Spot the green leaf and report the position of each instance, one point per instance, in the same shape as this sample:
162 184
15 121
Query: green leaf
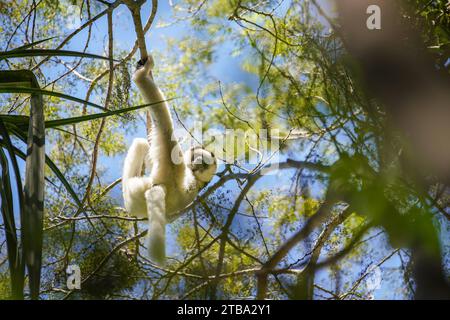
18 120
7 207
48 93
20 53
22 136
21 122
30 45
73 120
63 180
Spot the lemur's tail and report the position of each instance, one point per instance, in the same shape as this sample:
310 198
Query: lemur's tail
156 209
134 161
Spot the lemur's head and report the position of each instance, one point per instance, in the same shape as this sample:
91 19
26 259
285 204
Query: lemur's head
202 162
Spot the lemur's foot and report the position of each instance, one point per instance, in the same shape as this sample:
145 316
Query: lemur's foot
143 68
147 63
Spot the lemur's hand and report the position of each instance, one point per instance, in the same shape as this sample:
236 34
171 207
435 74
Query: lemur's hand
143 69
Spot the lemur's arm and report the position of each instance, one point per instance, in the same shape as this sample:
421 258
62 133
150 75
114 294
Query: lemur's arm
162 130
161 119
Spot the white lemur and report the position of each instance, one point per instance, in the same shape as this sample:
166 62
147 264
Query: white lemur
174 179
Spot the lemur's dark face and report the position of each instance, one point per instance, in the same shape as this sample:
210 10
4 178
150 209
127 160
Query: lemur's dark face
202 163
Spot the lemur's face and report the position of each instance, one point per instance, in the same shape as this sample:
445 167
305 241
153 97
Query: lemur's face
202 163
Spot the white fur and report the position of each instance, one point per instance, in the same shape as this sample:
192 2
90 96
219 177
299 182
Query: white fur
171 185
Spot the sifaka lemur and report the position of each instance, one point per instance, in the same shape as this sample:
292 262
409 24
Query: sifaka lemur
174 178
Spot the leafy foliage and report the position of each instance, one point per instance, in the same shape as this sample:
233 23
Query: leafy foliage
243 65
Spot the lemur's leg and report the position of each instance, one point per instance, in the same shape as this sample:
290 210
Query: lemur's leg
133 184
135 159
156 210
